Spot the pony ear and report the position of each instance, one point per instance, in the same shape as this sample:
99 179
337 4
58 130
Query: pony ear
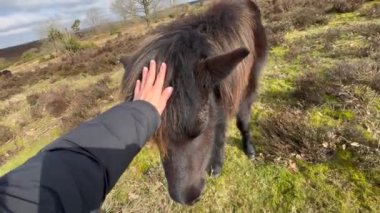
215 69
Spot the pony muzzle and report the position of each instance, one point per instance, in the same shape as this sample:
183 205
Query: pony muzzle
189 195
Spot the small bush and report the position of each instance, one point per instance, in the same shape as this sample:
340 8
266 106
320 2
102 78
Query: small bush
343 73
35 108
276 32
88 45
360 72
114 30
310 90
375 82
371 12
374 48
33 99
349 52
100 89
47 57
354 133
85 105
346 85
82 109
54 102
371 30
304 17
4 63
8 92
57 101
345 6
286 133
71 44
30 54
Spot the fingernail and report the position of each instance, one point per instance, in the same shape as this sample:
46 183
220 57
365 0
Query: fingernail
171 89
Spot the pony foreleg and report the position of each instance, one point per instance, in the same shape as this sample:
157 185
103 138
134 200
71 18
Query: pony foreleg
217 156
242 123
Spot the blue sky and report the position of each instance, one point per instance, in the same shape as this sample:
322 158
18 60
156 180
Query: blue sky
22 20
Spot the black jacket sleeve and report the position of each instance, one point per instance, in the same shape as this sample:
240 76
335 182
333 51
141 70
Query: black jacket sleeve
75 172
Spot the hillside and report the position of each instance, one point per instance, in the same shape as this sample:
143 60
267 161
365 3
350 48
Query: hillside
10 53
316 123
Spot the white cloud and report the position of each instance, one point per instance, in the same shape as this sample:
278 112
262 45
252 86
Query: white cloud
24 20
19 19
15 31
33 3
15 18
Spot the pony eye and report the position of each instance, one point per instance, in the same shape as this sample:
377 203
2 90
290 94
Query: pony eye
198 125
194 134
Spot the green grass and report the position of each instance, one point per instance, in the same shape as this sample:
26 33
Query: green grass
245 186
29 148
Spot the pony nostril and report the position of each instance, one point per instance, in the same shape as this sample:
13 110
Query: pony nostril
194 201
193 194
176 196
189 196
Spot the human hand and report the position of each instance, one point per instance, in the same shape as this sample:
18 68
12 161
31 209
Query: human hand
151 89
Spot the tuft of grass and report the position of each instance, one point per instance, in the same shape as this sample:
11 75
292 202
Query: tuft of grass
318 118
31 148
5 134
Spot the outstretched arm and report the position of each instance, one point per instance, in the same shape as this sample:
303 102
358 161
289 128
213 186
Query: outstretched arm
76 172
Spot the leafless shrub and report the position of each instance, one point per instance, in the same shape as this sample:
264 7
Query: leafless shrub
288 133
310 90
371 12
305 17
85 104
344 6
54 102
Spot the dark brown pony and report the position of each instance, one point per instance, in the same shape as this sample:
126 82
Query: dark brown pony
214 60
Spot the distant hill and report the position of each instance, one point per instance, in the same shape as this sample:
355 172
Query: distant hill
15 52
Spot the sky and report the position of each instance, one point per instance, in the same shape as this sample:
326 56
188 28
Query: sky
22 21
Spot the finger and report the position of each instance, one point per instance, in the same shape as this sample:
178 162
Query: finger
137 90
161 77
144 76
166 94
151 73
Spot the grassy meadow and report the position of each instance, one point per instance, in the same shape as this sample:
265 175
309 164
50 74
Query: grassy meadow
316 122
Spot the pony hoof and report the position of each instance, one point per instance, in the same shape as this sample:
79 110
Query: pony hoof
252 157
251 154
215 172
